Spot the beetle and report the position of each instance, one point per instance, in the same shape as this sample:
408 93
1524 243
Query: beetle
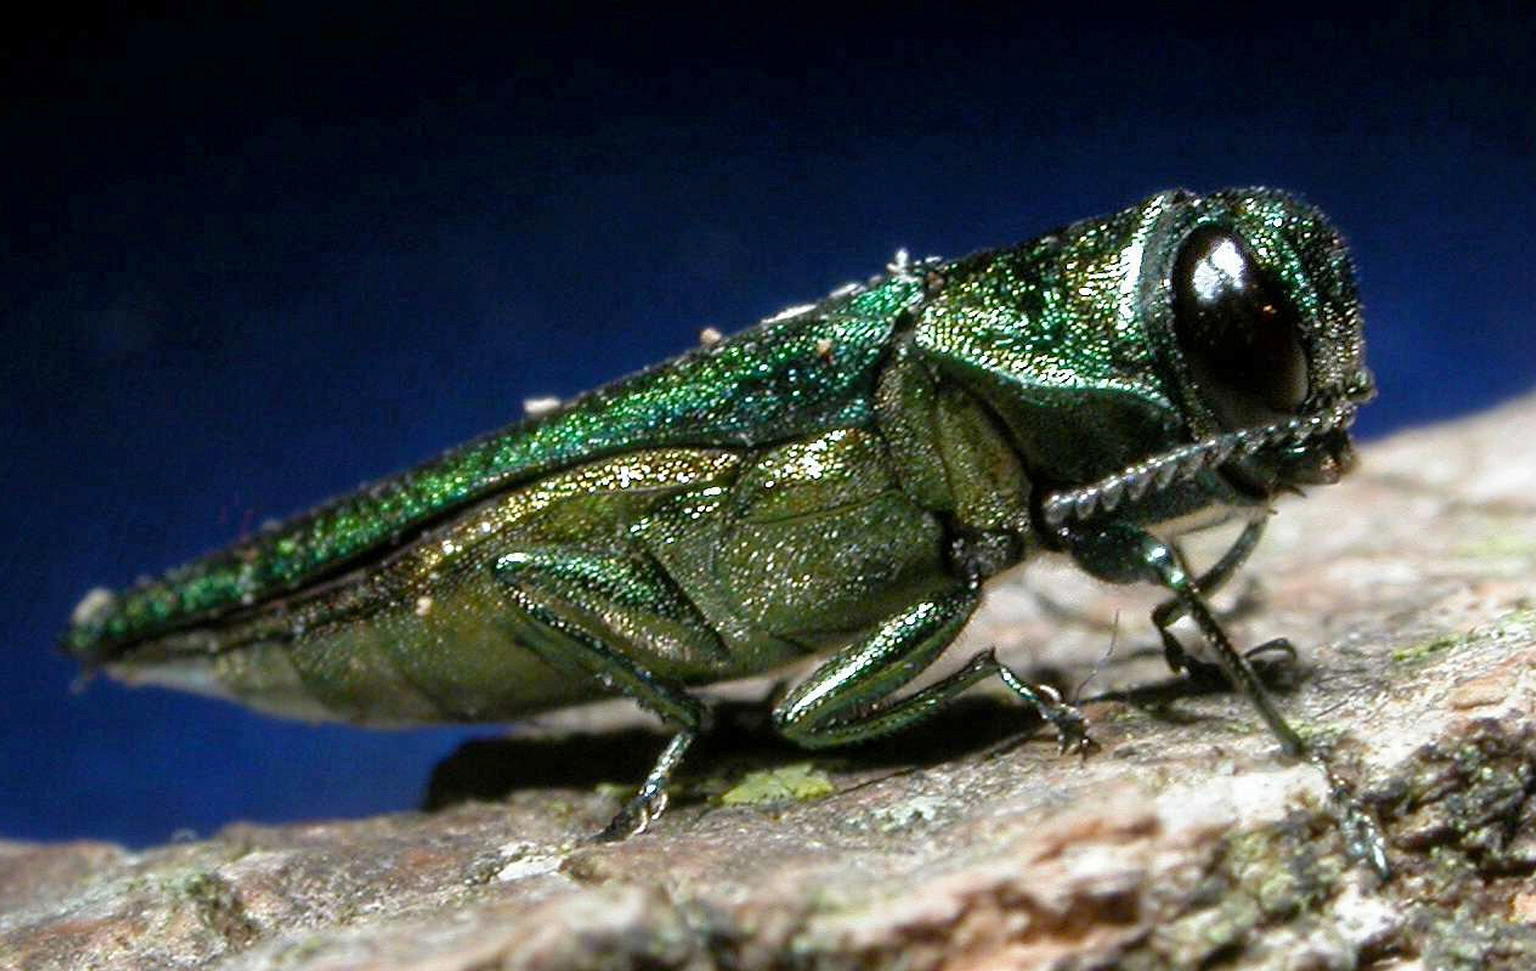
841 479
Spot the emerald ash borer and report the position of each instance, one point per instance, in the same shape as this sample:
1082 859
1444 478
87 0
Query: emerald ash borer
840 480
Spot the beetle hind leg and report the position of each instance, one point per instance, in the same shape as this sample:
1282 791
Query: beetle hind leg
651 799
545 587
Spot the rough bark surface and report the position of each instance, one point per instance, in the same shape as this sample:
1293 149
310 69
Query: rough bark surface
1187 842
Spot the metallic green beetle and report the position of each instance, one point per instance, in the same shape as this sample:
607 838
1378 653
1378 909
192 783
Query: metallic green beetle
841 478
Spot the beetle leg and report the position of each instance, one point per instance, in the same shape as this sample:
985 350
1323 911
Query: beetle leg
1125 554
651 799
847 699
1169 611
545 586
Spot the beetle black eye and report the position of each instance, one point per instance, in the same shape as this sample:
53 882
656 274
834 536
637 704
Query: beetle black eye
1236 330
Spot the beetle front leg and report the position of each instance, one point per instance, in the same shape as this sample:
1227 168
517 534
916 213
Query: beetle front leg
545 587
847 699
1212 580
1125 554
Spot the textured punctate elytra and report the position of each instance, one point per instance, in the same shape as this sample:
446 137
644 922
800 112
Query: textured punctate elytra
840 479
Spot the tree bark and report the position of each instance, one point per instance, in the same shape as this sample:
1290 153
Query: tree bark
1188 841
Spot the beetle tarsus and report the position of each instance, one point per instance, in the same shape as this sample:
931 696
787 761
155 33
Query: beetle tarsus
1364 840
651 801
1068 720
1207 673
634 819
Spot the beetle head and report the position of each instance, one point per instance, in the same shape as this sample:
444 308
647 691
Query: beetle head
1249 301
1258 322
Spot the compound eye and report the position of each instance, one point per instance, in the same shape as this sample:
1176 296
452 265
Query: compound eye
1237 332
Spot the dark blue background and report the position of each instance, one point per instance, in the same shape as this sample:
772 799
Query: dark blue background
247 264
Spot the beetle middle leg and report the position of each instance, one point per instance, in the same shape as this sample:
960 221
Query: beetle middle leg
591 612
847 699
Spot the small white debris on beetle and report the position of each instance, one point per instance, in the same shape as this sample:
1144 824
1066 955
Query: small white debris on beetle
96 602
902 264
423 606
710 337
790 312
824 348
534 407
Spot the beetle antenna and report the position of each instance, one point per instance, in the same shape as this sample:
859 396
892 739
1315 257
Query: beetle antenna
1186 461
1100 664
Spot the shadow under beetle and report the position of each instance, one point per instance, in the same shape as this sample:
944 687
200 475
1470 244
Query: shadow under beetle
840 479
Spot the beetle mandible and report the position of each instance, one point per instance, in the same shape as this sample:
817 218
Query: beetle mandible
839 480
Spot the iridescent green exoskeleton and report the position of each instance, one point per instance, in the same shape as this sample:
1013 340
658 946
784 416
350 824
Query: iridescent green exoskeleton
839 480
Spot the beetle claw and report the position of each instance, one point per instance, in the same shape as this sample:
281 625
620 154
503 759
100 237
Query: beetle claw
1072 731
634 819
